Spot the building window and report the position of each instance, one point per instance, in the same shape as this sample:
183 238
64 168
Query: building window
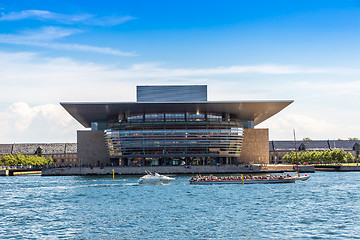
214 117
195 117
136 118
174 117
154 117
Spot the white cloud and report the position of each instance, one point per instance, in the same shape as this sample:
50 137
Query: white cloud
71 77
317 127
13 16
345 87
20 115
86 19
108 21
303 123
153 70
19 119
44 38
34 81
43 34
86 48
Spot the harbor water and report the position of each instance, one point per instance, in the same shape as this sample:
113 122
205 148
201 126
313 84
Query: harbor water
98 207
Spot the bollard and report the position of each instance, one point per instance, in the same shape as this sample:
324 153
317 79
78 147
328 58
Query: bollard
242 179
113 174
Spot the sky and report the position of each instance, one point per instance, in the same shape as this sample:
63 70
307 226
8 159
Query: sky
54 51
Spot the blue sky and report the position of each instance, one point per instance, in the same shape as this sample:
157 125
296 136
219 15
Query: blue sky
55 51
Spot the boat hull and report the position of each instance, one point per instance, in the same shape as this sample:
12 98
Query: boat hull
302 178
274 181
155 179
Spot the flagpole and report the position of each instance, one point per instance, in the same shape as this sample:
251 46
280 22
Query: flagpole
297 161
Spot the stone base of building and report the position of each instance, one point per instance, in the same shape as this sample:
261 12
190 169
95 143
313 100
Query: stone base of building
91 149
255 148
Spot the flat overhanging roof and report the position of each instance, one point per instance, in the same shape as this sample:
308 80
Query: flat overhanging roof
258 111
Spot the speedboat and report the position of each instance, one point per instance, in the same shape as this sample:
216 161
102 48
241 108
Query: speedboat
154 178
301 178
298 177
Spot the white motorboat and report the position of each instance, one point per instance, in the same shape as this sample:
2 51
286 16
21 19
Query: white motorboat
301 178
154 178
297 176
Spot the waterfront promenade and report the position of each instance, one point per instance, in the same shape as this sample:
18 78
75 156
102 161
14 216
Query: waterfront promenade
224 169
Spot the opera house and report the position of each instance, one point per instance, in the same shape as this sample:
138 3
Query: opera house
172 125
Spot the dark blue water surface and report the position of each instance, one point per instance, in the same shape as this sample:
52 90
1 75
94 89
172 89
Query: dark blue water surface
33 207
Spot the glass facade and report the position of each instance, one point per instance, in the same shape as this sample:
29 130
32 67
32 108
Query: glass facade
174 138
98 126
184 93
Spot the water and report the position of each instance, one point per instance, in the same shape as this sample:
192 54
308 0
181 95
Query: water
72 207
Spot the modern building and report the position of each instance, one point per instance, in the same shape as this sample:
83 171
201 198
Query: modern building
63 154
173 125
278 149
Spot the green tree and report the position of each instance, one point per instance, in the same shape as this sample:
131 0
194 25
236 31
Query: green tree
49 161
290 157
349 157
338 155
307 139
315 157
8 160
305 156
286 158
327 158
353 138
19 159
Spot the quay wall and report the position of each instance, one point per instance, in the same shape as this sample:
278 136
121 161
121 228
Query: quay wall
336 168
349 168
288 168
249 169
4 172
26 173
18 172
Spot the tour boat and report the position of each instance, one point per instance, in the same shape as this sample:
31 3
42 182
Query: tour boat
261 181
154 178
209 180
